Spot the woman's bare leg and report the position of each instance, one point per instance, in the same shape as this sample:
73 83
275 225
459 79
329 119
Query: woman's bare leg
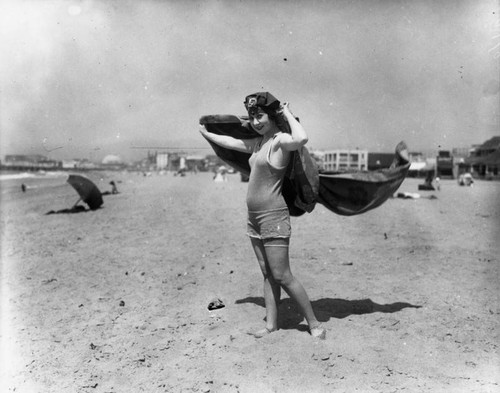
272 290
278 261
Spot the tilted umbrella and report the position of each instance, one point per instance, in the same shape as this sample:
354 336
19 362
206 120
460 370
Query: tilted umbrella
87 190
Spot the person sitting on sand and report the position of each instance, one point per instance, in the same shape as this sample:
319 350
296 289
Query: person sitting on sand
268 223
114 189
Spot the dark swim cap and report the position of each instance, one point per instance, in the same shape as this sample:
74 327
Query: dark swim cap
264 100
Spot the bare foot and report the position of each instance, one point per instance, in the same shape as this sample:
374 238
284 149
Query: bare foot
318 332
262 333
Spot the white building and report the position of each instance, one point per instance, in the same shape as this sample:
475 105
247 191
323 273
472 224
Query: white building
345 160
162 161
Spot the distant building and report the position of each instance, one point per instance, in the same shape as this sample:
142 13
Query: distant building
112 160
195 163
70 164
344 160
418 165
175 161
30 162
379 160
19 158
460 153
484 162
212 162
162 161
489 147
416 156
444 164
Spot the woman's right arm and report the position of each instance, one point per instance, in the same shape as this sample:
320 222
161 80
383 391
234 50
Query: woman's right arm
243 145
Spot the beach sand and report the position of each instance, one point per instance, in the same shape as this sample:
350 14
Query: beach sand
115 300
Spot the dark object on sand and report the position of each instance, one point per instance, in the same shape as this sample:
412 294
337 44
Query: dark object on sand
216 304
413 195
88 191
342 193
427 186
74 209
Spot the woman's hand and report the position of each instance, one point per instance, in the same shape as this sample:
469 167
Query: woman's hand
298 136
203 130
285 109
206 134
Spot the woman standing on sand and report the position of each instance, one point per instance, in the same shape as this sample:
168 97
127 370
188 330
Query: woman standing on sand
268 217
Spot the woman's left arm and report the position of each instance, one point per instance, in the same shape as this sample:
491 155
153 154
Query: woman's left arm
298 136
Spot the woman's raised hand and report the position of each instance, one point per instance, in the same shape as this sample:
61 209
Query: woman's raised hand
285 108
202 129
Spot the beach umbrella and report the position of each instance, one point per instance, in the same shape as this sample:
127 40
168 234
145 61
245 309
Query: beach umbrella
87 190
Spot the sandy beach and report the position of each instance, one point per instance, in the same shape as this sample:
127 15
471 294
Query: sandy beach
115 300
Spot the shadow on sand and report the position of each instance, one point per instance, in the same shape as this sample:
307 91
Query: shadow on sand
328 308
74 209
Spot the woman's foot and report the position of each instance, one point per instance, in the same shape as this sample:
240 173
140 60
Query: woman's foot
262 333
318 331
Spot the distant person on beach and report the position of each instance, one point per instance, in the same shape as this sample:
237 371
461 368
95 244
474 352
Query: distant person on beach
268 223
114 189
220 174
465 179
23 187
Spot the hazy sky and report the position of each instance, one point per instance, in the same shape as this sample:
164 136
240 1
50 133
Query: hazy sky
91 78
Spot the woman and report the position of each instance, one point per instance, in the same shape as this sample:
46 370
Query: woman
268 216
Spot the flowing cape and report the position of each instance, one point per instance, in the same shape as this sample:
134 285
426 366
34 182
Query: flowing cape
344 193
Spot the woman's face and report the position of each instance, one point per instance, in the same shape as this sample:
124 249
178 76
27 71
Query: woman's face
261 122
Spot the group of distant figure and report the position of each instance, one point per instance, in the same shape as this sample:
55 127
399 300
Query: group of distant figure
79 208
465 179
114 189
221 174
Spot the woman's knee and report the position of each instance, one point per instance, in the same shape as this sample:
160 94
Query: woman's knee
283 278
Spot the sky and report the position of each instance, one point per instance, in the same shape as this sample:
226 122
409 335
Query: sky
87 79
